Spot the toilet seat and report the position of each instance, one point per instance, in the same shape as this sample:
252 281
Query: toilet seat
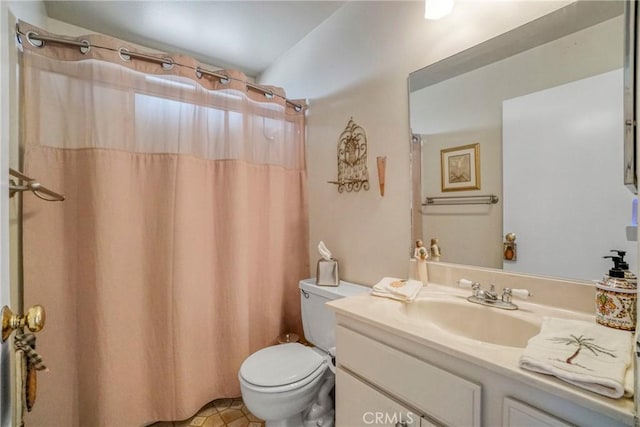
282 367
286 387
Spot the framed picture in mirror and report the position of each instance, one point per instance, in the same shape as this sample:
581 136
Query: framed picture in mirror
460 168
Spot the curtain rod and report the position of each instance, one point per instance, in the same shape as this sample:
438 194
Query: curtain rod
166 63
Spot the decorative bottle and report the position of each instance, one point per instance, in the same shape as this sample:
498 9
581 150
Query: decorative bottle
616 299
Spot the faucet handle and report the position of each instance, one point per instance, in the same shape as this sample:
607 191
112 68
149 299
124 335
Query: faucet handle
465 283
521 293
475 286
507 293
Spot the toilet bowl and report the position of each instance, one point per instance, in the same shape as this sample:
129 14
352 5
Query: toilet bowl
278 383
289 385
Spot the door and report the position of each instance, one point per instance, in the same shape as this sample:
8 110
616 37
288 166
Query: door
6 58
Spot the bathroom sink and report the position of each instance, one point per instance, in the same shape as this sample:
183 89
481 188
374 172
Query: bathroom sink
487 324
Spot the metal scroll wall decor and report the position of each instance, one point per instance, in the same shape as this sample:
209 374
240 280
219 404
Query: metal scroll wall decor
352 159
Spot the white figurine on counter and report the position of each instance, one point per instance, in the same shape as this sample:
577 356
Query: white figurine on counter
420 252
421 255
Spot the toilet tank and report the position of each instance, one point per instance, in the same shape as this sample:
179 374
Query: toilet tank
318 320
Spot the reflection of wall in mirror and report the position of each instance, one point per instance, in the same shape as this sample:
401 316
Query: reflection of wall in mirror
468 108
558 145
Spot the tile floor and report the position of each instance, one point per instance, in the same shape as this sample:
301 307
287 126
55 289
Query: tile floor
219 413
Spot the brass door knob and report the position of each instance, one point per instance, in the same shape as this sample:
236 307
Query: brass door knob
34 320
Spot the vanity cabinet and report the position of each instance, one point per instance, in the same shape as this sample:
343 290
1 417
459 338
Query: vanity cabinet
384 372
389 381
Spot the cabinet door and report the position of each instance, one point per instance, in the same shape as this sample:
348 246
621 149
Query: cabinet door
427 423
517 414
439 394
358 404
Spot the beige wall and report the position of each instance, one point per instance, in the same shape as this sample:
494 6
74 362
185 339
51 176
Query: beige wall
356 65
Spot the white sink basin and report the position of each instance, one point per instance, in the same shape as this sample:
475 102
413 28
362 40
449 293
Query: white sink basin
458 316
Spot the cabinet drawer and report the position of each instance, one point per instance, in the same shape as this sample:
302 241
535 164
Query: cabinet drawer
441 395
357 404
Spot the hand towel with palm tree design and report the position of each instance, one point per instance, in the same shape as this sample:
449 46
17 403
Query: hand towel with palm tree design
585 354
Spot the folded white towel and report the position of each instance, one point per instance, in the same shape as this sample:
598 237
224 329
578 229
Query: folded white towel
585 354
394 288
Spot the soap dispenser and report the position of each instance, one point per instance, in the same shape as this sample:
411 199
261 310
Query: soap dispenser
628 275
616 299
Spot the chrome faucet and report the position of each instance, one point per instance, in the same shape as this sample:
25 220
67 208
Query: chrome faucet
490 298
487 295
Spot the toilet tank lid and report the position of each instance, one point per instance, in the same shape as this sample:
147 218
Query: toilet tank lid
280 365
344 289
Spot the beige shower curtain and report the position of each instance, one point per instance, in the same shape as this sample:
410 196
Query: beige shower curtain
178 249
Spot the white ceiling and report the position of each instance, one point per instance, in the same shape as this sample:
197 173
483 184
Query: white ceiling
244 35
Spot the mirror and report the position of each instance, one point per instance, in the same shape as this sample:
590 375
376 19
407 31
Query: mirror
532 119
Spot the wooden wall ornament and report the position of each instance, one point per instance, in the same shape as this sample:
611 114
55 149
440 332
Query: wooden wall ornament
382 167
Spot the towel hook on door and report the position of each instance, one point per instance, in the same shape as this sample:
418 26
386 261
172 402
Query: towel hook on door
30 184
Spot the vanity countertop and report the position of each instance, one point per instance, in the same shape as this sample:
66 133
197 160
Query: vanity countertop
387 314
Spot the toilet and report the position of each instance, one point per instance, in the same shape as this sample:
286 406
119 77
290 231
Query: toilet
289 385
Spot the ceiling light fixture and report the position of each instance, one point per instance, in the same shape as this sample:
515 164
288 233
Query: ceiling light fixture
436 9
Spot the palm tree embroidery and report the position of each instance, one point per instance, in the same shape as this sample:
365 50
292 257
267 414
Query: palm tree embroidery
582 342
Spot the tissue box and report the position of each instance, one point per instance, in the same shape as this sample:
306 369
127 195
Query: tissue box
327 272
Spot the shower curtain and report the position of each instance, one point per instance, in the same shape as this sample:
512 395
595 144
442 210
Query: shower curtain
180 244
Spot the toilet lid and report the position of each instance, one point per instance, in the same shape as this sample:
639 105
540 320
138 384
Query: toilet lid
280 365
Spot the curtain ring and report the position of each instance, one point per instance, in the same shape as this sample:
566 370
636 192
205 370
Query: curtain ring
34 42
18 34
86 48
123 55
167 64
268 95
198 73
225 80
